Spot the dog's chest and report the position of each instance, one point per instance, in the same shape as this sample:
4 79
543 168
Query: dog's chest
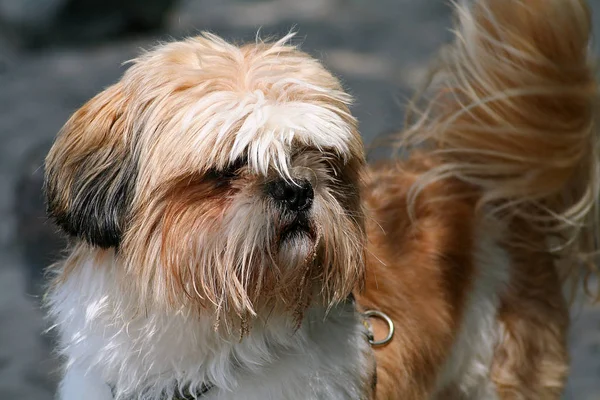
154 355
329 362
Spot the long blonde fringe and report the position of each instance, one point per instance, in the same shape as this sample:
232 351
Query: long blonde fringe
512 110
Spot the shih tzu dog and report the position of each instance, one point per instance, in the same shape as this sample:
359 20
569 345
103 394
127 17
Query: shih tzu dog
228 235
214 197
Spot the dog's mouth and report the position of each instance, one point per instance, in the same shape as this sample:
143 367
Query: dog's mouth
300 227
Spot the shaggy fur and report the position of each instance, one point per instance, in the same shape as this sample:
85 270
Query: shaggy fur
188 271
469 239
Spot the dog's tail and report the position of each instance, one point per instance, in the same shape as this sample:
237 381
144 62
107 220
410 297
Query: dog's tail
513 113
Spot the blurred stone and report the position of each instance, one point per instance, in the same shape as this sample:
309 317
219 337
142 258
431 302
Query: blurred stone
38 238
38 23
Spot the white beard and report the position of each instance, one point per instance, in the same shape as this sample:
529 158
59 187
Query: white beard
148 354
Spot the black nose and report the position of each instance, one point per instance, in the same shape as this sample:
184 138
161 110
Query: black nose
295 196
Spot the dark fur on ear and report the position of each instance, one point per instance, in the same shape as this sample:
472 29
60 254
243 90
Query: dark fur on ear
91 171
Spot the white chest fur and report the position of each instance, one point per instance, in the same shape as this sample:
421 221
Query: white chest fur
148 355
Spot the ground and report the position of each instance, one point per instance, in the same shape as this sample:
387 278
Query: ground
379 48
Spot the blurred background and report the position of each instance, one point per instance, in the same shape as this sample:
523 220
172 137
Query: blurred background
56 54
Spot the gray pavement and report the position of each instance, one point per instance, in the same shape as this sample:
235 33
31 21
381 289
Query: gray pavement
379 48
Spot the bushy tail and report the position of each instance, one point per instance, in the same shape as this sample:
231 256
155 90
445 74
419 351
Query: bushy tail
513 113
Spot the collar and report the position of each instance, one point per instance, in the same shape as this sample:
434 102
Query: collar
206 387
185 395
366 315
369 332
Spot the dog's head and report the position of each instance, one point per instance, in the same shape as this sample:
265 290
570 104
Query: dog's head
222 176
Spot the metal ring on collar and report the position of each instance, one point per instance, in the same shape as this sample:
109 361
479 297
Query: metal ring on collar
388 321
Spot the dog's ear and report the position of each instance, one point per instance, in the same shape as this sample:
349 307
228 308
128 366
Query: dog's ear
91 171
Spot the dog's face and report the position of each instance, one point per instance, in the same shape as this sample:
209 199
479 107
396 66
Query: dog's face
223 177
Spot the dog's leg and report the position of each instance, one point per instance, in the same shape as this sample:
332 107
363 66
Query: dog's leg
531 360
419 273
78 385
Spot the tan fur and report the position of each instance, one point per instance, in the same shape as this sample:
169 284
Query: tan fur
509 134
514 114
418 272
531 360
154 146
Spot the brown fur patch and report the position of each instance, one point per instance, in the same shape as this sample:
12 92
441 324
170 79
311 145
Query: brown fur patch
419 272
531 360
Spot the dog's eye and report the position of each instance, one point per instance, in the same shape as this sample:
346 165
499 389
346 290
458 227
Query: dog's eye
233 169
238 164
230 172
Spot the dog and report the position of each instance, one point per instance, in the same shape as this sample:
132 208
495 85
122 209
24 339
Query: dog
229 240
213 194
